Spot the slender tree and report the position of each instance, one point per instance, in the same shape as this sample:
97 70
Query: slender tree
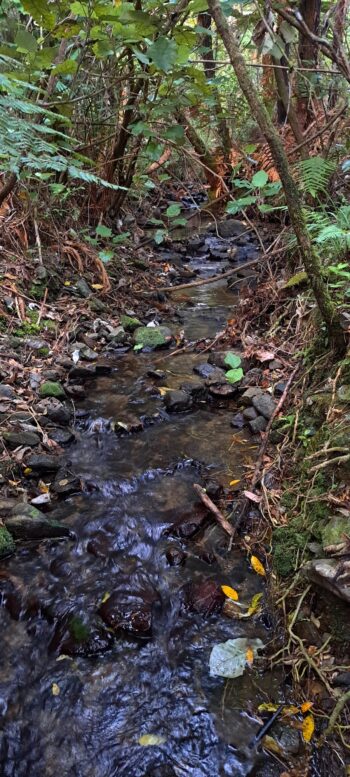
309 257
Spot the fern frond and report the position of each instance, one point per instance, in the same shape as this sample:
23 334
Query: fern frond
314 174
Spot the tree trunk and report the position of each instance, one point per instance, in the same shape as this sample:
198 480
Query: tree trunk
286 100
310 259
206 41
310 11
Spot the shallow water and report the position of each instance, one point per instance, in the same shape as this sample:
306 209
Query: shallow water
137 490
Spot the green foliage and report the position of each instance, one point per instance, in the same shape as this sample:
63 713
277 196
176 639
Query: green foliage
314 175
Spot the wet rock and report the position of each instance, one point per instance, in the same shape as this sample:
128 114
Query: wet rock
59 413
324 572
335 531
43 463
194 243
62 436
308 632
88 354
130 323
188 524
204 597
83 288
177 401
66 484
265 405
231 228
7 392
279 388
117 335
224 390
152 336
76 391
100 545
258 424
77 635
289 740
82 373
16 439
252 377
156 374
7 543
216 377
205 370
249 394
130 610
238 421
342 679
196 390
175 556
28 523
52 389
249 413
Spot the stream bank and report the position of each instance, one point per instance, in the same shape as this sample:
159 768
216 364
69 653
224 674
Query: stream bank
113 616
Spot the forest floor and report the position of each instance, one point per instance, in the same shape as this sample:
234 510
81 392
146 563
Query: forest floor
63 324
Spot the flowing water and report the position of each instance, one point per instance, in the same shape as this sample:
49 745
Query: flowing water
76 698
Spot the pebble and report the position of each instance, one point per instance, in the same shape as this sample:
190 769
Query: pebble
177 401
258 424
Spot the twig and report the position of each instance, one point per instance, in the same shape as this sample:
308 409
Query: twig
226 526
324 464
38 241
338 709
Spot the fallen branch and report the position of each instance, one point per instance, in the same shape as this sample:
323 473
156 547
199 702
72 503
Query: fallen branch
219 517
338 709
329 462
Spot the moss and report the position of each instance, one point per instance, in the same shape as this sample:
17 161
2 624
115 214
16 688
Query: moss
287 542
7 543
52 388
78 629
43 351
37 291
129 323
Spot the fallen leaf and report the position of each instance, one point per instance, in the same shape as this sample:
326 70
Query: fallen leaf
269 707
254 606
249 656
308 728
257 566
97 286
269 743
234 482
264 356
105 597
163 390
306 706
43 488
252 497
55 689
151 739
27 470
229 659
230 592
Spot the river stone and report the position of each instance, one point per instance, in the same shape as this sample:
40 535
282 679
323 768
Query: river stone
130 610
117 335
216 376
189 522
7 392
204 370
175 556
204 597
249 413
223 390
152 336
59 413
249 394
258 424
7 543
177 401
333 532
130 323
323 572
252 378
77 635
82 373
264 404
52 389
231 228
238 421
62 436
83 288
28 523
43 463
16 439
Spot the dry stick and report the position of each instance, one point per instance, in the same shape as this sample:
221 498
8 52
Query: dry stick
338 709
226 526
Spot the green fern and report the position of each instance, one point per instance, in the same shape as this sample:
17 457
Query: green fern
314 175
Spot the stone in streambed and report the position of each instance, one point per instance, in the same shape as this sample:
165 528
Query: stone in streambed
82 373
59 413
324 572
249 413
238 421
204 597
7 392
175 556
16 439
152 336
62 436
264 405
130 611
250 394
258 424
80 635
43 463
231 228
177 401
28 523
205 370
129 323
188 524
7 543
223 390
156 374
52 389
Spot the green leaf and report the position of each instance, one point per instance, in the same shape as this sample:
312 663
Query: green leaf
106 256
235 206
25 41
67 67
163 53
260 179
103 231
234 376
41 11
159 236
175 133
173 210
232 360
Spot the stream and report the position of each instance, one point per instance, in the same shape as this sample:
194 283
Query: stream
106 636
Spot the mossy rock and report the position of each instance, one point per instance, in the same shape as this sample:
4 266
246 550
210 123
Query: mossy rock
152 336
7 543
129 323
334 530
28 523
343 394
52 388
287 541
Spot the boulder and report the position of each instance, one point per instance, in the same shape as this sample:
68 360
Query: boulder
324 572
28 523
16 439
43 463
152 336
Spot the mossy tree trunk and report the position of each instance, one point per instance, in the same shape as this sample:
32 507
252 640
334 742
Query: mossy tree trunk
309 257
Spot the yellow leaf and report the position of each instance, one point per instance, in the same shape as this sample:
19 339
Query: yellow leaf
306 706
14 482
234 482
105 597
249 656
67 283
257 566
163 390
267 707
270 744
28 470
43 488
254 604
151 739
230 592
308 728
55 689
97 286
